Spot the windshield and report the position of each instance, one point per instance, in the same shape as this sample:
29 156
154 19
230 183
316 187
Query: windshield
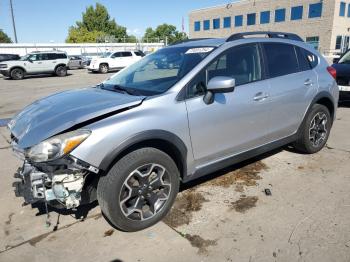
106 55
345 59
157 72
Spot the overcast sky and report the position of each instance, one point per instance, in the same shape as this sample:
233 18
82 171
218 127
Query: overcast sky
49 20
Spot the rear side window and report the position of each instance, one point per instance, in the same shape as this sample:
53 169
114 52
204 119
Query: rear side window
311 58
61 56
303 61
54 56
281 59
124 54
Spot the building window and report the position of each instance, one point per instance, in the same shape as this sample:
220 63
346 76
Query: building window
280 15
297 13
216 23
349 10
227 22
251 19
338 42
265 17
197 26
314 41
342 9
315 10
206 24
238 20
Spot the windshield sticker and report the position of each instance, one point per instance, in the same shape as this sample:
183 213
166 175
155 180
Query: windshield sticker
199 50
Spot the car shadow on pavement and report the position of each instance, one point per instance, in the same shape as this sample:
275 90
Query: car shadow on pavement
80 212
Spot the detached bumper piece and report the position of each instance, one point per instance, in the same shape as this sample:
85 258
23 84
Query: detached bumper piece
62 185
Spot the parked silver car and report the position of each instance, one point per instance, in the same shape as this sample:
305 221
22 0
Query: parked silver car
182 112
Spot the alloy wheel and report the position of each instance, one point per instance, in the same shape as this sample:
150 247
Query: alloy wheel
145 192
318 129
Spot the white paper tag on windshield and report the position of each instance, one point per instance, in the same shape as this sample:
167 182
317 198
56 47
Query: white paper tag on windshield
199 50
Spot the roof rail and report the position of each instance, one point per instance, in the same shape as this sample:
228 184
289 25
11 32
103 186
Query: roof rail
269 34
189 40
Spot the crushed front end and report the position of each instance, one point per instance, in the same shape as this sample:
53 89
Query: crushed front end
54 183
51 175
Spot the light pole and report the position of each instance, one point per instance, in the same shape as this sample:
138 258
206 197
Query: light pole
13 22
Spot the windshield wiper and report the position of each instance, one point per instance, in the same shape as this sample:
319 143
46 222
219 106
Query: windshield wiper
123 89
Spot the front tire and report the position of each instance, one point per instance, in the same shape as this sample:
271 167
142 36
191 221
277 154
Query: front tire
61 71
314 132
17 74
103 68
139 189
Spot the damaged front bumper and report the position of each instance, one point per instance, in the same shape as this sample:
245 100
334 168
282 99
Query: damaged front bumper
63 181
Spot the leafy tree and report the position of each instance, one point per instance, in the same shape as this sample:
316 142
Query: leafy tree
4 38
162 32
96 25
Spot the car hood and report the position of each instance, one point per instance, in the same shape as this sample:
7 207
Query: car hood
13 62
59 112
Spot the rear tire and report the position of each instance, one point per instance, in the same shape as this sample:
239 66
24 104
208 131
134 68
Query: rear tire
17 74
139 190
61 71
315 129
103 68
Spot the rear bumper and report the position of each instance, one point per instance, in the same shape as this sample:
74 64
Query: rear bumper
344 88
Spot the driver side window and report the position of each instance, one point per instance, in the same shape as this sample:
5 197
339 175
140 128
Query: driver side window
241 63
116 55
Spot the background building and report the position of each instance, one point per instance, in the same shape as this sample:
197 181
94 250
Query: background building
324 24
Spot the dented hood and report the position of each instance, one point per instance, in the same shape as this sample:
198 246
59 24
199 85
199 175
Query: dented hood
54 114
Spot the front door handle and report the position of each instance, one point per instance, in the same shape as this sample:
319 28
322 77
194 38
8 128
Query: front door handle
260 96
39 63
308 82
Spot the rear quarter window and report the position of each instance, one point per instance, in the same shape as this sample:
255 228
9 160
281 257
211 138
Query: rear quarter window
281 59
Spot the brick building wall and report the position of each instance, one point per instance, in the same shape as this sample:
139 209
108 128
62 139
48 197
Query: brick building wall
326 27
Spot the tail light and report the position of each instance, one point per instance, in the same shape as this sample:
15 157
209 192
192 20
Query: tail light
332 72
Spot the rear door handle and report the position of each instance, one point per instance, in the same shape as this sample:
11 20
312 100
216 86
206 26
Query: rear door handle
308 82
39 62
260 96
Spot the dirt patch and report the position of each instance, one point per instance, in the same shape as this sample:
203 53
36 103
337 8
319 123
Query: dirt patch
244 203
200 243
108 233
181 213
8 222
245 176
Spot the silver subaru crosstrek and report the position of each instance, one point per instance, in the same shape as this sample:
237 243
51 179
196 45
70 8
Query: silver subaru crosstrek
182 112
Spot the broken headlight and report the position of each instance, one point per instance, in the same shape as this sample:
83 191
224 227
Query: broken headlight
57 146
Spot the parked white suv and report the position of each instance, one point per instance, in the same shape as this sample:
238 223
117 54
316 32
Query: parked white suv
114 61
54 62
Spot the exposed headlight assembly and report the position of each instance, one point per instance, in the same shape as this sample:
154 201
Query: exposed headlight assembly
57 146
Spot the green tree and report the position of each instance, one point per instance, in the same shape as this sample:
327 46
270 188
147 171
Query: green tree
4 38
95 26
163 32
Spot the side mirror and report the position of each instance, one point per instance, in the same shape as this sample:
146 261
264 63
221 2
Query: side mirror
218 84
30 60
336 60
